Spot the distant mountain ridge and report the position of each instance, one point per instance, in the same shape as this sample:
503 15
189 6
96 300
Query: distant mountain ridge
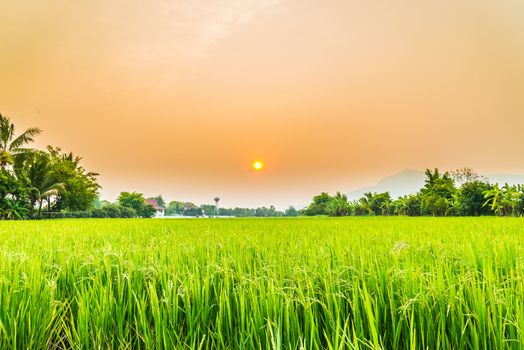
411 181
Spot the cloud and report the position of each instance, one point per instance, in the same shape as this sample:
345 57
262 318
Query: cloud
179 33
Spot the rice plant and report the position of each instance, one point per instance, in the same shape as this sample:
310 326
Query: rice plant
319 283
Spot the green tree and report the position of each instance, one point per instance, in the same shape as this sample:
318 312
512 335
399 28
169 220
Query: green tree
520 201
13 197
80 186
494 200
503 201
366 204
376 203
469 199
338 205
510 198
291 212
319 205
36 170
413 205
437 193
137 202
381 203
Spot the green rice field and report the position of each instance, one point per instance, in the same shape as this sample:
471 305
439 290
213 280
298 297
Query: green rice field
306 283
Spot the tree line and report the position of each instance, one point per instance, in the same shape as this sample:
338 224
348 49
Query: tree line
191 209
50 183
33 182
461 192
40 184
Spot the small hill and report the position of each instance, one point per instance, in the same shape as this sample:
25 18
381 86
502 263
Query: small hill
405 182
410 181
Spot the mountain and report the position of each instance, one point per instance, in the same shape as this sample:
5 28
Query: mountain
406 182
501 179
410 181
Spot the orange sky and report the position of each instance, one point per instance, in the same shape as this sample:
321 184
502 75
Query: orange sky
179 97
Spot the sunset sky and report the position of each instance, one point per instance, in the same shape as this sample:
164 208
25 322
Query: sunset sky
180 97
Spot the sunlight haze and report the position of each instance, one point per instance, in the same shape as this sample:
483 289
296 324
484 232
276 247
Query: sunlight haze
179 97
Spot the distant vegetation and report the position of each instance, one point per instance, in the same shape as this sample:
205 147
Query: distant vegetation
49 183
191 209
457 193
34 182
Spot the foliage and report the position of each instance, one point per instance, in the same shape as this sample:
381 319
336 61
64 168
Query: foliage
80 186
136 202
319 205
407 205
34 181
291 212
439 197
338 205
12 145
379 203
437 193
504 201
469 199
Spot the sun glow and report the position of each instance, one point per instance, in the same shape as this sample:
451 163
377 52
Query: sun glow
258 165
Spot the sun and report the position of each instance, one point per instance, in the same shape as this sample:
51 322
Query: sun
258 165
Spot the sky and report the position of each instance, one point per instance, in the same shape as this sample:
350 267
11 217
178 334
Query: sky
180 97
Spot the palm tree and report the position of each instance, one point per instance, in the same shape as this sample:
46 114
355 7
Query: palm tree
510 197
37 170
12 145
366 202
338 205
385 206
401 205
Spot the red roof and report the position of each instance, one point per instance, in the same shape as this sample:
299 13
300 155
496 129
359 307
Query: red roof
153 202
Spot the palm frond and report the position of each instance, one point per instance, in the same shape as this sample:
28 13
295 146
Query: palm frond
25 138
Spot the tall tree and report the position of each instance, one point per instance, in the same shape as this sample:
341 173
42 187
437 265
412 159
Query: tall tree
437 193
366 203
80 186
338 205
319 205
469 199
37 172
136 201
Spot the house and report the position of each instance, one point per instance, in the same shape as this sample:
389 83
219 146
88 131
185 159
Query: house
160 211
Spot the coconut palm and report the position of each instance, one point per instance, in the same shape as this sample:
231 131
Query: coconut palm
401 205
37 170
366 202
338 205
12 145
